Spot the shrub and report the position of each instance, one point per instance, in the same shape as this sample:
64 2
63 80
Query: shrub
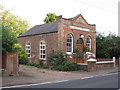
68 66
87 49
0 74
57 61
40 62
22 57
32 64
60 68
56 58
37 65
77 53
43 67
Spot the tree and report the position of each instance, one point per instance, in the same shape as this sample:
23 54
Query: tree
15 23
12 26
107 46
8 39
51 17
114 48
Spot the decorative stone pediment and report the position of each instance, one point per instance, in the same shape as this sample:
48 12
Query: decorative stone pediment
79 18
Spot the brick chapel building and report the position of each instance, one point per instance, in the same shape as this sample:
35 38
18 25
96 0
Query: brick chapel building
63 34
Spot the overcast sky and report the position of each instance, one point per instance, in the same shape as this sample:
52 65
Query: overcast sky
103 13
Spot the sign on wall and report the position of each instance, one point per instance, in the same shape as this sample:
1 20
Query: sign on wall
79 28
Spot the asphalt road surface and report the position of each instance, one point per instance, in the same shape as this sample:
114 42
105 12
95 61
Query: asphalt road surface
105 81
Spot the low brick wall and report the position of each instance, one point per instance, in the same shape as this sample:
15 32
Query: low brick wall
93 64
104 65
75 60
99 60
116 60
83 66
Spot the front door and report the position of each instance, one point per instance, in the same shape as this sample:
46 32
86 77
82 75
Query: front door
80 44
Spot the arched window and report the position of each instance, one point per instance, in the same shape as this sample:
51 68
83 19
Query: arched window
42 50
69 43
88 43
27 48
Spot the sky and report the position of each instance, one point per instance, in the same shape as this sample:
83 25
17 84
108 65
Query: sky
103 13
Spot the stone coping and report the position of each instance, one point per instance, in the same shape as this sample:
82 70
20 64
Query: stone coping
105 62
82 63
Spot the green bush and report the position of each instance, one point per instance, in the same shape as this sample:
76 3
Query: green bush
22 57
42 67
60 68
40 62
77 53
32 64
56 58
0 74
68 66
37 65
87 49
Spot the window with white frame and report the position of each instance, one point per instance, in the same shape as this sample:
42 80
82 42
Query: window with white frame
69 43
42 50
27 48
88 42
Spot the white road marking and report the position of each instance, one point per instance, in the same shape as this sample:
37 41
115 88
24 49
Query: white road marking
108 74
35 84
95 76
87 77
57 81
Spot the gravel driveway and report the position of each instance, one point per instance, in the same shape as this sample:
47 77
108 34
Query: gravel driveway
31 75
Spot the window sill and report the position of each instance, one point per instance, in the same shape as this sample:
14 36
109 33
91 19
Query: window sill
42 59
69 53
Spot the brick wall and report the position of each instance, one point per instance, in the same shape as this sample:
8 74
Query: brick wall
50 39
12 66
104 65
99 60
96 65
116 61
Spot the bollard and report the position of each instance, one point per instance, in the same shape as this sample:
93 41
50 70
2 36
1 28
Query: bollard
114 61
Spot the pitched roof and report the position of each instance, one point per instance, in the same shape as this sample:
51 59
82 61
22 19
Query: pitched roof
42 29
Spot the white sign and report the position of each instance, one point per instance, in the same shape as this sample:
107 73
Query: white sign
78 28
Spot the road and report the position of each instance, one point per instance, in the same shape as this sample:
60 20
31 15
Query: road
104 81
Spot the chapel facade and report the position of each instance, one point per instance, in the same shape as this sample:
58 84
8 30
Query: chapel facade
64 34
